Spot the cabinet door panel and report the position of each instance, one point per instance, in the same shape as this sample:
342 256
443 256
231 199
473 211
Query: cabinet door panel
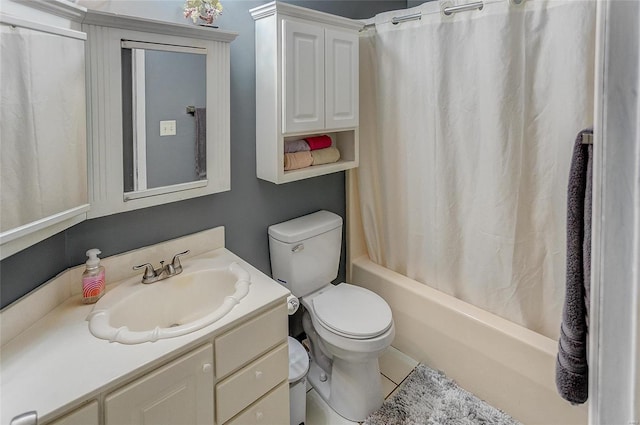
303 77
250 383
178 393
85 415
271 409
341 79
249 340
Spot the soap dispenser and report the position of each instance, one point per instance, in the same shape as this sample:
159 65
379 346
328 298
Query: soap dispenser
93 278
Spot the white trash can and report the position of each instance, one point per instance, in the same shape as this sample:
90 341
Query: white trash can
298 368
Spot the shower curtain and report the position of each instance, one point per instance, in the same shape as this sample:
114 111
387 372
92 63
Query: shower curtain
467 125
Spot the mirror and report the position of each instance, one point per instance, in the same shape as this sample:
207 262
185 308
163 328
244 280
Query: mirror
163 119
43 163
130 165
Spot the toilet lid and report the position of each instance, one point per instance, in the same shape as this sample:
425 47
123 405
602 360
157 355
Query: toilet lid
353 311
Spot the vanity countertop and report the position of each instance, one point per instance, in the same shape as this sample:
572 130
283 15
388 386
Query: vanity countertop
57 364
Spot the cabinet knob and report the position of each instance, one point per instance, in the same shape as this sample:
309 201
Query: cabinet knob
259 415
207 367
258 374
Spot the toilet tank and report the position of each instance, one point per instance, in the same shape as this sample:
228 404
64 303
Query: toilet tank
305 251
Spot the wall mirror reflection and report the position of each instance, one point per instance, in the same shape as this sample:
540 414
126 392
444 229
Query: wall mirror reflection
43 150
164 94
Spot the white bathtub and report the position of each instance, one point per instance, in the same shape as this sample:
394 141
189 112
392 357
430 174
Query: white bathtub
509 366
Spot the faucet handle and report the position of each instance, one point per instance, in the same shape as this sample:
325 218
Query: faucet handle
175 263
149 271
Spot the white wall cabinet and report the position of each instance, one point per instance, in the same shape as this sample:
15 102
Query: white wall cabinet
306 85
108 105
320 80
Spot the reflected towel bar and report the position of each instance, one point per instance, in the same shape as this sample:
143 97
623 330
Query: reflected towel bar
462 8
587 138
191 110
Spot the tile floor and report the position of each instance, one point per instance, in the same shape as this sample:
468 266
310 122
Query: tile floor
395 366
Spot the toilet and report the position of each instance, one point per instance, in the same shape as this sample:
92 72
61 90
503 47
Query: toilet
348 327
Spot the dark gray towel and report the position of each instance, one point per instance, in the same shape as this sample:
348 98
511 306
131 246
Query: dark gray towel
572 370
201 142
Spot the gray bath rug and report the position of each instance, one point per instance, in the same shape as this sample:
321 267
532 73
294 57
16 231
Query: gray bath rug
428 397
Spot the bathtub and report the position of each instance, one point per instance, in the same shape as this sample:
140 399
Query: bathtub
509 366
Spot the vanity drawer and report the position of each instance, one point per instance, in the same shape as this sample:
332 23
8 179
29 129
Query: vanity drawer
246 342
251 382
271 409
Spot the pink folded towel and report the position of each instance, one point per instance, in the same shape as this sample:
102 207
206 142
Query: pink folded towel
325 156
318 142
295 146
295 160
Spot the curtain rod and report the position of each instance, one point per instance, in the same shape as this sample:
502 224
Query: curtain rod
448 11
463 8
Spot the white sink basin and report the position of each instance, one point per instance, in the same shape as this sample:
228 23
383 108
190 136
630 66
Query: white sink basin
133 312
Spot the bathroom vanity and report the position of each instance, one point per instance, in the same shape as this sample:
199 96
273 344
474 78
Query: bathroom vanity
233 371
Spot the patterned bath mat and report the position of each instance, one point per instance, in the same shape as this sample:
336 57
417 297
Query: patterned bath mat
428 397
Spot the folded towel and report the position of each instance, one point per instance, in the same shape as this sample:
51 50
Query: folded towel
318 142
296 160
292 146
325 156
572 370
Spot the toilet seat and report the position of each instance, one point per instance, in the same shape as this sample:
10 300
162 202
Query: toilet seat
352 312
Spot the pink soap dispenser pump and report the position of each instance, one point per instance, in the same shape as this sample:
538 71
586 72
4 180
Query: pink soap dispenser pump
93 278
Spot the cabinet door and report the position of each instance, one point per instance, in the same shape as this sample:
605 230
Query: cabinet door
85 415
341 65
178 393
303 77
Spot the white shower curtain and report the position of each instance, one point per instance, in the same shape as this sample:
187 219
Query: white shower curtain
467 127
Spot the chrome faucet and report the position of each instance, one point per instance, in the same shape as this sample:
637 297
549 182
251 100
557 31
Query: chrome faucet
153 275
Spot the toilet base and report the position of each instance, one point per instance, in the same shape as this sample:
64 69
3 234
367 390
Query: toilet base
353 389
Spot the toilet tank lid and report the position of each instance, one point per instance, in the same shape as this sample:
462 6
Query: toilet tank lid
305 227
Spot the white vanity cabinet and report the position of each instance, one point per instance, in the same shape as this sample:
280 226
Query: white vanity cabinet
243 385
234 370
180 392
306 85
239 377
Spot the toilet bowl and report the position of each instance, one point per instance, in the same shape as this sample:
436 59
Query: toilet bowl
345 346
347 326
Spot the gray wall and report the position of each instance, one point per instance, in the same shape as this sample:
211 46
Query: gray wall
414 3
246 211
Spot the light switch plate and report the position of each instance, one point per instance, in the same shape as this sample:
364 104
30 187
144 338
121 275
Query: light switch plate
168 128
